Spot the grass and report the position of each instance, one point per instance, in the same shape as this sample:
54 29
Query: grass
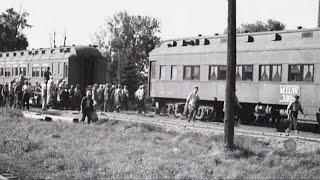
114 149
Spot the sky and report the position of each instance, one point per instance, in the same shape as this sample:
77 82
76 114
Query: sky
179 18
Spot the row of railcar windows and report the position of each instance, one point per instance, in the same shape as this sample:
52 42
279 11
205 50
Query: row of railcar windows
296 72
36 70
8 72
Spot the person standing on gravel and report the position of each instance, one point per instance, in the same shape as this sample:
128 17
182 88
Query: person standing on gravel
140 96
86 107
293 109
193 104
44 95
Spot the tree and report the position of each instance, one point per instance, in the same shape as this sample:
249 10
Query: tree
259 26
127 40
12 24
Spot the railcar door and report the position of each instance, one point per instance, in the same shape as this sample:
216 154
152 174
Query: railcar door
89 72
152 77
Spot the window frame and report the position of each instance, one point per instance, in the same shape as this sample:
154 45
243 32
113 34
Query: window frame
35 70
210 76
7 71
171 74
161 75
270 78
24 72
1 71
301 72
192 78
242 72
219 75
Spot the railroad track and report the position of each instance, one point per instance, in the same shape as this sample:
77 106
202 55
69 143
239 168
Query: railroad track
174 123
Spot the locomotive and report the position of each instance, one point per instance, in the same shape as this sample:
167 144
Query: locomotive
271 68
81 65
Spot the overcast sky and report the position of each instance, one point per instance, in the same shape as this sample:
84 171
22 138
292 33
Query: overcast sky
179 18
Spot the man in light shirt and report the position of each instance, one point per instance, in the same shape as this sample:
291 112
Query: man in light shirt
192 104
140 96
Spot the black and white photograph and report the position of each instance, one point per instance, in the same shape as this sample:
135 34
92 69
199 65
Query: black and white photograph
170 89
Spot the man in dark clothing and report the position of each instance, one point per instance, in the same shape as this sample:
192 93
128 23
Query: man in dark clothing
87 107
18 95
107 94
47 75
293 109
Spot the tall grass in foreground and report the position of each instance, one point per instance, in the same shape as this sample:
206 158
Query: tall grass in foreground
114 149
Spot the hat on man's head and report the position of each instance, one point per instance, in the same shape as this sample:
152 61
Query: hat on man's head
296 96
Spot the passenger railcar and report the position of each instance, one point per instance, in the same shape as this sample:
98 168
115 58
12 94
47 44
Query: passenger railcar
271 68
81 65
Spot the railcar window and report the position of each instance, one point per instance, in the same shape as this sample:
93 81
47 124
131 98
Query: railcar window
15 71
55 68
66 70
7 54
213 71
162 75
15 54
270 73
153 70
1 72
36 52
43 69
0 55
35 72
30 52
301 72
244 72
61 50
307 35
68 50
222 72
174 72
21 53
23 71
43 51
7 72
191 72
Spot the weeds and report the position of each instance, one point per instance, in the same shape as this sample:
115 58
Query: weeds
115 149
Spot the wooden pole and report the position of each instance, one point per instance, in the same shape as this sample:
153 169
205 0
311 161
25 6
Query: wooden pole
319 15
231 76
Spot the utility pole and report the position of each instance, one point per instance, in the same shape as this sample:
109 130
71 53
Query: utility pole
54 38
319 15
231 76
65 37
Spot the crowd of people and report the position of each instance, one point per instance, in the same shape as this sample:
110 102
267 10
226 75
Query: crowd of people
58 95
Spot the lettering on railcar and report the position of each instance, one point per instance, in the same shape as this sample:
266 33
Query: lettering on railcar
287 92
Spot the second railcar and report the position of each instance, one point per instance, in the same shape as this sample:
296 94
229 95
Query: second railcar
81 65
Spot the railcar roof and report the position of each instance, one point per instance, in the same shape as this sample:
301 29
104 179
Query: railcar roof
246 34
288 39
49 53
